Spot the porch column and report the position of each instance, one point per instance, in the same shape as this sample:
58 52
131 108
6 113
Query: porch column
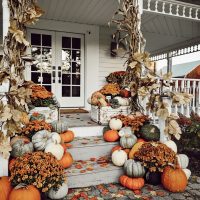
6 17
169 62
140 4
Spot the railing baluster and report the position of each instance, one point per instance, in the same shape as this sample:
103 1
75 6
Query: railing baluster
187 106
149 5
156 6
194 95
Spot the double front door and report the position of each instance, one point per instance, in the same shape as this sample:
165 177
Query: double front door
58 65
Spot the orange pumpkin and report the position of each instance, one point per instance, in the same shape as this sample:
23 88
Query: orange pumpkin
134 149
116 148
25 193
67 136
111 136
66 160
11 163
127 151
5 187
174 180
131 183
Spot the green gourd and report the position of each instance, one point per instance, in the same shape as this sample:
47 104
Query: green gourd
127 141
20 147
134 169
150 132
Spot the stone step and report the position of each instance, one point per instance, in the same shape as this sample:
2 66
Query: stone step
87 131
88 147
93 172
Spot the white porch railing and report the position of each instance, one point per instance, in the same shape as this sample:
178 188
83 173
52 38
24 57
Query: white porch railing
191 86
173 8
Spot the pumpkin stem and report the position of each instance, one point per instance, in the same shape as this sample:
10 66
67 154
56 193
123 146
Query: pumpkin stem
21 185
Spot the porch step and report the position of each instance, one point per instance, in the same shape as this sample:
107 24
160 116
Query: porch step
87 131
84 148
93 172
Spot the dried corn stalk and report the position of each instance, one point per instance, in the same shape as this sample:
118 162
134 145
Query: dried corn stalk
13 113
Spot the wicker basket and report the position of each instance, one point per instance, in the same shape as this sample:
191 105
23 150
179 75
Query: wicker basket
104 114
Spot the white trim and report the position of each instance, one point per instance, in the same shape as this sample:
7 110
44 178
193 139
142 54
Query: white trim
6 17
91 33
173 8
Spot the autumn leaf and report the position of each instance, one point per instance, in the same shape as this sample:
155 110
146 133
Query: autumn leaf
5 114
18 34
163 113
5 147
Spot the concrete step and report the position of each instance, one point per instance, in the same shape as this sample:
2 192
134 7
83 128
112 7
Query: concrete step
84 148
87 131
93 172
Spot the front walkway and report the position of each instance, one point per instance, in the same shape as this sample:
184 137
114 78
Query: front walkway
149 192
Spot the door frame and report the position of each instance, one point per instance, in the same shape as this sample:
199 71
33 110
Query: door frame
91 33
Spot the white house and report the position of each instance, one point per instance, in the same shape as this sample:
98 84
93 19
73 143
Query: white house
71 42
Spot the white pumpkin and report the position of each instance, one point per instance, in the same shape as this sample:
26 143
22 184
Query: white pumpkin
187 173
115 124
125 130
42 138
119 157
56 149
183 160
123 101
171 144
60 193
55 137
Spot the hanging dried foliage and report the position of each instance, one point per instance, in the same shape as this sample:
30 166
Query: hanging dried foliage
149 85
128 21
14 109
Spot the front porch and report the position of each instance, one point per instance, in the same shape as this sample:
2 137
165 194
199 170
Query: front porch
71 53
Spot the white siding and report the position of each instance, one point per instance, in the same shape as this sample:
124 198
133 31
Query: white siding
107 63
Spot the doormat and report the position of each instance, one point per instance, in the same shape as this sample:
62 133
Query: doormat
76 110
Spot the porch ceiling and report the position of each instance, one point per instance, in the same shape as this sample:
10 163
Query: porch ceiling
159 30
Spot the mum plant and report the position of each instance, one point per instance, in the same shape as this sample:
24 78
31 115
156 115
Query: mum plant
39 169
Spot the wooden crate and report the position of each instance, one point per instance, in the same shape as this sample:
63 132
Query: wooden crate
104 114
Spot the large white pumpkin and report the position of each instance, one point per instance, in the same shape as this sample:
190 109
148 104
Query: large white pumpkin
183 160
187 173
119 157
60 193
56 149
171 144
115 124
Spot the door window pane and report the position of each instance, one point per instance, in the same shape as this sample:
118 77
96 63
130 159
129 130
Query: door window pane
76 91
35 39
46 40
75 67
66 79
76 79
76 55
66 90
35 77
66 42
46 78
76 43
